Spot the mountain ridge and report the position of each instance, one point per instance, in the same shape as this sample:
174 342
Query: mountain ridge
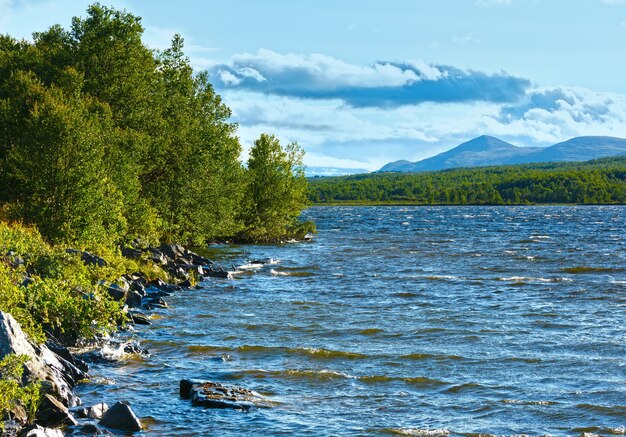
487 150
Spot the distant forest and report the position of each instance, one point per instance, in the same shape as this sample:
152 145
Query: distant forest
600 181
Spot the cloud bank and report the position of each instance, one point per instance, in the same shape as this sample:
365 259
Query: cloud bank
382 84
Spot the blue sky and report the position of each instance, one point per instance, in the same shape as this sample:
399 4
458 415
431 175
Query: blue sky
362 83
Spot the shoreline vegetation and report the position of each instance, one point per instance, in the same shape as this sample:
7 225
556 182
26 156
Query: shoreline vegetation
595 182
113 156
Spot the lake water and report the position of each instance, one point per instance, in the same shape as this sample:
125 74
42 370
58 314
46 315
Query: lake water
401 320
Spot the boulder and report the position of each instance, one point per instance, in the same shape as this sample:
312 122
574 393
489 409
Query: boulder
93 412
133 299
117 292
129 252
120 416
40 431
58 376
88 258
173 251
139 318
215 395
219 273
156 302
52 413
158 257
92 430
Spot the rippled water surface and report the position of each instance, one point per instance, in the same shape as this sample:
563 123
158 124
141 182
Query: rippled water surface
401 320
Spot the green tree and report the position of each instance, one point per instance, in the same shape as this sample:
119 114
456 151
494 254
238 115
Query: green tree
276 191
55 164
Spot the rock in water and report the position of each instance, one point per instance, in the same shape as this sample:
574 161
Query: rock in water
215 395
121 417
93 412
53 413
39 431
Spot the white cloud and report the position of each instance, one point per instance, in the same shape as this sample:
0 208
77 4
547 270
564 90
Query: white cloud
229 78
325 71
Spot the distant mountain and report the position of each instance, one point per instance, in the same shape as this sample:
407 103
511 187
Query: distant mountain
486 150
332 171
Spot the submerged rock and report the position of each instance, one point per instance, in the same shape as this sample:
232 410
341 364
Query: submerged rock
120 416
215 395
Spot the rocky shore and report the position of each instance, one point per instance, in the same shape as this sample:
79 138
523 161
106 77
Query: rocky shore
58 368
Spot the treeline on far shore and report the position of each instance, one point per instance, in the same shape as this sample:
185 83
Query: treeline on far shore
600 181
104 140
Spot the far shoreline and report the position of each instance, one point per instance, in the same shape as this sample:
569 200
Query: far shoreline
396 203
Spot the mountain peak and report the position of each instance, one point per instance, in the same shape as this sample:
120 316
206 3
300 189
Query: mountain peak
486 150
483 143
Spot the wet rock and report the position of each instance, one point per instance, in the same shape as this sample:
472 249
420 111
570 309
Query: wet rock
152 292
133 299
58 375
219 273
93 412
139 318
138 286
185 284
153 303
215 395
92 430
120 416
133 347
40 431
116 292
52 413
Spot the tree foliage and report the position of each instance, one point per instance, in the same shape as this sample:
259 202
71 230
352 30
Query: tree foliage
276 188
103 139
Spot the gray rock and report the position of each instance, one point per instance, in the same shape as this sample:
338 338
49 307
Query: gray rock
173 251
93 430
139 318
158 257
40 431
131 253
88 258
133 299
93 412
43 364
215 395
120 416
52 413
